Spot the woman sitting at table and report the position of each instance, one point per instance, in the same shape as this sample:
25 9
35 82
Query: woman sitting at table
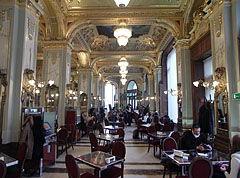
195 140
235 159
155 121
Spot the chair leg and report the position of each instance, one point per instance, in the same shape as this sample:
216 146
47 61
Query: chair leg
164 171
148 147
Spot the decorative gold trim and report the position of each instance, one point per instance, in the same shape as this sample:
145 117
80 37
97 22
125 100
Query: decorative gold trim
0 27
30 36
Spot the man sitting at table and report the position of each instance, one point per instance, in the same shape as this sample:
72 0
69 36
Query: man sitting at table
195 140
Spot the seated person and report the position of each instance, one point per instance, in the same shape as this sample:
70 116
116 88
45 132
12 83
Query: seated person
166 120
155 121
195 140
235 159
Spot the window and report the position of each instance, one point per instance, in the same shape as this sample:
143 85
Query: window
208 75
172 85
132 94
109 94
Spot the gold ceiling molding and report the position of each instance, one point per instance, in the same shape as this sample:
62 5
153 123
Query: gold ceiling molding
34 6
60 44
182 43
170 25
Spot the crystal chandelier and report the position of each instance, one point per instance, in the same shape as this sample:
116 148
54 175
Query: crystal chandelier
122 3
122 33
123 80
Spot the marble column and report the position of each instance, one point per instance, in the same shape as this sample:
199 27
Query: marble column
157 79
95 90
151 97
57 67
225 33
184 77
18 51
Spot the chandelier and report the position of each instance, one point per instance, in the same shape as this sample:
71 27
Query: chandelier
123 63
123 80
122 33
122 3
212 84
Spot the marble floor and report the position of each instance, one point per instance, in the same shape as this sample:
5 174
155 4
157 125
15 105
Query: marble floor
138 162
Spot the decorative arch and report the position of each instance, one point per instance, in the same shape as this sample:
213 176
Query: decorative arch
170 25
140 66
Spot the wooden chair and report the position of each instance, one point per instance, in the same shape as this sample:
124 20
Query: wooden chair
21 156
73 169
141 130
121 133
200 167
118 150
95 146
154 142
176 137
62 140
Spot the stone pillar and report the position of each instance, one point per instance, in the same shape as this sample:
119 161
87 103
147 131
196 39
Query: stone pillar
157 79
57 67
94 90
184 77
225 33
151 92
18 49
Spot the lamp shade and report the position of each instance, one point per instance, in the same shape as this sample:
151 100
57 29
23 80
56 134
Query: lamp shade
122 3
122 33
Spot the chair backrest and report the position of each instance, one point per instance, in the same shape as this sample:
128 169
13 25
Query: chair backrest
72 167
182 139
176 136
106 122
90 123
100 128
139 122
158 127
21 155
93 140
62 134
166 128
119 149
172 125
121 132
3 169
169 144
121 124
120 119
201 167
151 129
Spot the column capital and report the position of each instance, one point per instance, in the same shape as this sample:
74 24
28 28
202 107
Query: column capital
34 6
150 76
85 70
182 43
56 44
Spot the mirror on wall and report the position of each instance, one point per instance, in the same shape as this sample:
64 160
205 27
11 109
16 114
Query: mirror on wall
221 99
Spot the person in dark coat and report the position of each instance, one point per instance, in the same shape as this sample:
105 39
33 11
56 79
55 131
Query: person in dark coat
205 118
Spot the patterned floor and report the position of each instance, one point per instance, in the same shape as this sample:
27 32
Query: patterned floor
139 163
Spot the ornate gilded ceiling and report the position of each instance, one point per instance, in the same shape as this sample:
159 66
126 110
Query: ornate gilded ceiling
88 25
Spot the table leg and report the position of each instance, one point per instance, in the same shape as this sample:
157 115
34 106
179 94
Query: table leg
183 171
99 172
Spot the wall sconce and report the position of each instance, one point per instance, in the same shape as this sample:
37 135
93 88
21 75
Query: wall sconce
172 92
152 98
206 84
146 98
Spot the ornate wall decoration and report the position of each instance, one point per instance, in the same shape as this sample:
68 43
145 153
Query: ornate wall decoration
5 33
145 42
100 42
87 34
158 34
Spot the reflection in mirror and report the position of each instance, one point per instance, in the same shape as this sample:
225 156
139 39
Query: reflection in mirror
221 98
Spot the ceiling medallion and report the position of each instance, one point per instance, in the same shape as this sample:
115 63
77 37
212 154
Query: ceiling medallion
122 33
122 3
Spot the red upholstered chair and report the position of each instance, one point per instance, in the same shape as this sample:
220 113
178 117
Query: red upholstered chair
3 169
90 126
200 167
176 136
151 141
95 146
168 145
158 127
71 128
21 156
172 125
118 150
73 169
166 128
121 124
106 122
100 128
62 140
142 130
121 133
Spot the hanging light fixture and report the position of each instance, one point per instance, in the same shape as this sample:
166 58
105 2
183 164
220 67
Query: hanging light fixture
123 72
122 3
123 63
122 33
123 80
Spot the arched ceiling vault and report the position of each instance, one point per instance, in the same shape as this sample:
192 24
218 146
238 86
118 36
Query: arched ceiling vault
89 24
